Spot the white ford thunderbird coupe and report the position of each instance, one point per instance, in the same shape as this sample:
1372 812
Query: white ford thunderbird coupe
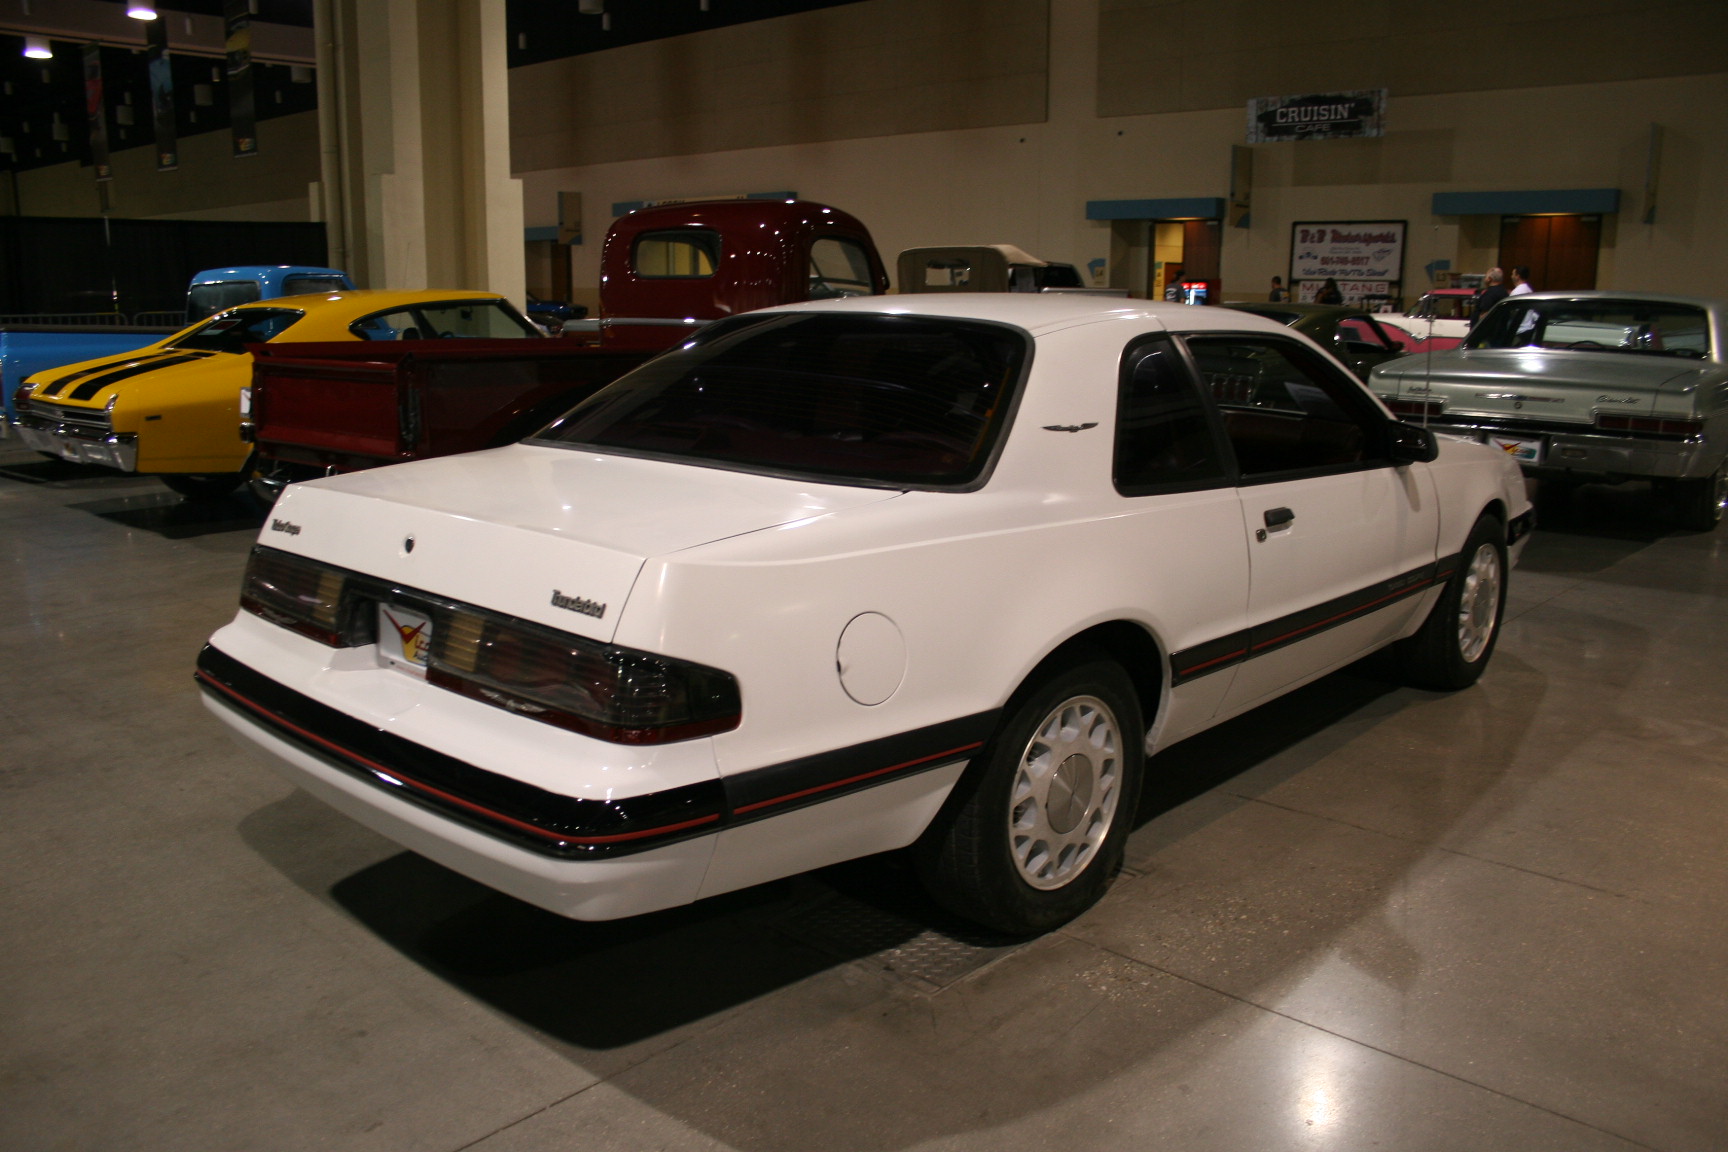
853 576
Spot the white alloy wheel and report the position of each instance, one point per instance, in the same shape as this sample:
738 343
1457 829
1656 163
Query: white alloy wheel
1479 605
1065 792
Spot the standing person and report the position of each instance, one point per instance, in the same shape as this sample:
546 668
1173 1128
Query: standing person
1520 282
1329 293
1493 291
1277 295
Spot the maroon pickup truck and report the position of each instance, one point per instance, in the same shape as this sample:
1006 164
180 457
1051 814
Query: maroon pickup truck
315 409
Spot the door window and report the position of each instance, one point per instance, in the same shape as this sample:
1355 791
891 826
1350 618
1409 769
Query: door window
1165 438
1285 410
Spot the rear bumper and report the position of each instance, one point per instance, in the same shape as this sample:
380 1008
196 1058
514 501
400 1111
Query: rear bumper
1609 456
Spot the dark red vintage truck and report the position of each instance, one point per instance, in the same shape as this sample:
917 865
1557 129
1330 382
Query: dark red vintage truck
315 409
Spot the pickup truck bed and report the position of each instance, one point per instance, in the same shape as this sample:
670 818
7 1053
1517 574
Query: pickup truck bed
343 406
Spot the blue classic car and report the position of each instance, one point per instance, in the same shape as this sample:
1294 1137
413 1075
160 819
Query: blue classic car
1588 386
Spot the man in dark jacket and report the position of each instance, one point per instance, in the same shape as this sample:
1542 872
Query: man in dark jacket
1493 291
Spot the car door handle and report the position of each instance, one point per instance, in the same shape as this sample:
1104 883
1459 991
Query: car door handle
1278 517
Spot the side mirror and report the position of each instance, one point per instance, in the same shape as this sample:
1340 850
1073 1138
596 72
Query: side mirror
1410 444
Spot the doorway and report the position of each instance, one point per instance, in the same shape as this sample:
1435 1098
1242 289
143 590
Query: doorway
1181 250
1560 251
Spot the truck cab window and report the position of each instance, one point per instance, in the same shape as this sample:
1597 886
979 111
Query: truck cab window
685 253
208 299
839 268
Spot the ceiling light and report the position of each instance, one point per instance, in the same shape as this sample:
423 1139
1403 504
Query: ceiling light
36 47
141 11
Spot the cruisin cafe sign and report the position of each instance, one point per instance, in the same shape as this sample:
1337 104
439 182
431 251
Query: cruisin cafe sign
1327 116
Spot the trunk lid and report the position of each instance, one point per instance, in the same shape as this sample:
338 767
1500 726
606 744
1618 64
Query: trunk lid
552 535
1535 384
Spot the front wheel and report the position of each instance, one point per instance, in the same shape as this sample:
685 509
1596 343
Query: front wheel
1698 504
1036 828
1453 645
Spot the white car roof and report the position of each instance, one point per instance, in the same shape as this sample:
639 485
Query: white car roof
1043 312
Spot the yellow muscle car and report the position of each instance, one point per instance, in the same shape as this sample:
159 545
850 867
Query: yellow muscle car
172 409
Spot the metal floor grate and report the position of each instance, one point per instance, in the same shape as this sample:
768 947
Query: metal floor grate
927 958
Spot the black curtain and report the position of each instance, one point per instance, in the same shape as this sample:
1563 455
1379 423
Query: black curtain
52 264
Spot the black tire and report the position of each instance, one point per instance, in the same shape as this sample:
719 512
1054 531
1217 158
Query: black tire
1008 855
1454 644
1698 504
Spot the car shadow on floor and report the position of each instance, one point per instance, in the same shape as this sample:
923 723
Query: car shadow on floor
1589 527
666 970
174 517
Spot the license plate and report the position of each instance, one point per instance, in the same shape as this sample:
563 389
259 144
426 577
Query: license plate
404 636
1524 449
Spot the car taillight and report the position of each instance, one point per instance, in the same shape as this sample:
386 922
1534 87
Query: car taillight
1614 422
600 690
21 397
611 693
1414 407
299 594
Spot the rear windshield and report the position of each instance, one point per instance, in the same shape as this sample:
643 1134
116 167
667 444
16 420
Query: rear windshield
208 299
232 331
878 400
307 285
1643 327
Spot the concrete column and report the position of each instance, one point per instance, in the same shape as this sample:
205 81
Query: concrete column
415 130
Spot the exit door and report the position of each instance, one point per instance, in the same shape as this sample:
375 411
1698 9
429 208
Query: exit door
1560 251
1182 250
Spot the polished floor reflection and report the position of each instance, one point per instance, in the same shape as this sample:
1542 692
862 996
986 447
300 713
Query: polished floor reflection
1362 917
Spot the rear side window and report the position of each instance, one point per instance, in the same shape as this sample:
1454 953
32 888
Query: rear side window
891 401
1164 437
457 319
687 253
839 268
208 299
232 331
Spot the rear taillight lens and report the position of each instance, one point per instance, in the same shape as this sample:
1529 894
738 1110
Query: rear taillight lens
298 594
1419 408
601 690
21 397
1613 422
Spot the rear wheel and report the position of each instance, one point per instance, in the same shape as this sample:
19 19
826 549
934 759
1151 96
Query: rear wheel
1453 645
1699 504
1035 831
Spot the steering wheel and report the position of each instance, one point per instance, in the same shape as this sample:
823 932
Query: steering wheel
1584 344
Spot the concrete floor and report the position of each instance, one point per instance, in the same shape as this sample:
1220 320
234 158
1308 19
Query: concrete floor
1361 917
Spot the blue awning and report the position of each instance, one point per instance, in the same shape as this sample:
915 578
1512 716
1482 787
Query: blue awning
1562 200
1177 208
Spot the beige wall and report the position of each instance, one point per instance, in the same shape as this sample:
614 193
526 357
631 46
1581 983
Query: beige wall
1028 182
210 183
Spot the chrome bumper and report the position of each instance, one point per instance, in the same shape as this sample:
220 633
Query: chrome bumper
79 443
1591 453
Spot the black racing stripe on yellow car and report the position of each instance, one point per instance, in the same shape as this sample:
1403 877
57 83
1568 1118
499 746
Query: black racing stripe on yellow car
530 817
1237 647
564 826
95 384
53 387
763 792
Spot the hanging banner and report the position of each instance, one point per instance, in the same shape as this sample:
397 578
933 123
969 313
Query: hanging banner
96 111
161 73
1370 250
242 114
1327 116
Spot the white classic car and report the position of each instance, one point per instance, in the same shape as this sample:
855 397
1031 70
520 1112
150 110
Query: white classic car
840 578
